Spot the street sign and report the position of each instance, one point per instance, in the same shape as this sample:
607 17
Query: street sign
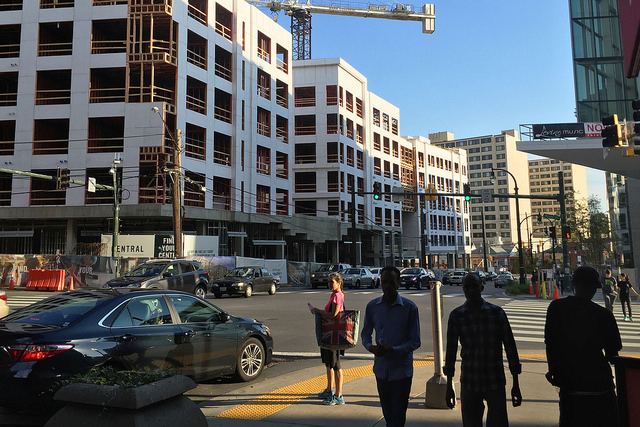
397 197
548 216
487 195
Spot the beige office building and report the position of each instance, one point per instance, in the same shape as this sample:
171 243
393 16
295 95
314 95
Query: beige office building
496 165
543 181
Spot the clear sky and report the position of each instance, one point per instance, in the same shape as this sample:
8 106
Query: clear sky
490 65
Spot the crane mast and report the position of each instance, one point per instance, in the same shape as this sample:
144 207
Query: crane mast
301 17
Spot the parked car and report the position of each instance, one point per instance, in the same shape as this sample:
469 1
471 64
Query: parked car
446 276
491 276
129 329
244 281
456 277
4 308
376 276
321 275
355 277
416 277
178 275
502 280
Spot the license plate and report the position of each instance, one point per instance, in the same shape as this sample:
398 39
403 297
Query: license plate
223 288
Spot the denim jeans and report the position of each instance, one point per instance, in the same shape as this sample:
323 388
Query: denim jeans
394 399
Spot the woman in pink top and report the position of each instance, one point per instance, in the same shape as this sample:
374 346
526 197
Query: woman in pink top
331 358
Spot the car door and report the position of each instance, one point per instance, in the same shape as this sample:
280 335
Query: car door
210 337
188 276
146 336
173 276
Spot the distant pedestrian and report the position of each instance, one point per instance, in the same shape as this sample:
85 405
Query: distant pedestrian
609 290
397 335
331 358
582 338
483 329
624 287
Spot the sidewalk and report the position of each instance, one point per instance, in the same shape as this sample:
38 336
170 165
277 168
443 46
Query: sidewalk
290 406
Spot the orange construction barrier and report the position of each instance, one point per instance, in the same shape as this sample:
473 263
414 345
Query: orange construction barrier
46 280
555 293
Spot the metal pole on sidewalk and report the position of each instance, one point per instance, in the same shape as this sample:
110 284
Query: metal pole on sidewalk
437 385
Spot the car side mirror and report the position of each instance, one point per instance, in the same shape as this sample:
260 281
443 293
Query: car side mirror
166 274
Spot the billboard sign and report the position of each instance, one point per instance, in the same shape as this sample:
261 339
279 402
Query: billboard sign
567 130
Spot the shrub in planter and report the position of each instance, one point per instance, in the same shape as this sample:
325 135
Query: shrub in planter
106 397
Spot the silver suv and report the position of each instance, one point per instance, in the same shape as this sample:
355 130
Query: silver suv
321 275
176 275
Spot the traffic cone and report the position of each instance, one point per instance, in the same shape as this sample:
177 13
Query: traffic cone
555 293
530 288
70 283
11 284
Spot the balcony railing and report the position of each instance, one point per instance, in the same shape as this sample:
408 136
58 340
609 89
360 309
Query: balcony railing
110 94
224 72
8 99
196 59
10 50
222 157
222 114
282 134
197 14
302 159
223 30
305 130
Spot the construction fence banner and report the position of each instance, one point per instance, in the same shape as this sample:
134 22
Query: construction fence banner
159 245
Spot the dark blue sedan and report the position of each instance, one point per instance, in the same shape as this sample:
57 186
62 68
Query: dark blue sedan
130 329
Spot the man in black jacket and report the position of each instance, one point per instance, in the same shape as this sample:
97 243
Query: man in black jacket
582 338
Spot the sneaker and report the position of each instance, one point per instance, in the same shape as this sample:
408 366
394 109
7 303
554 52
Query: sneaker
326 394
334 400
626 319
630 319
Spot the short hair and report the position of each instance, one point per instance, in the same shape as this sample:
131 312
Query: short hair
392 269
337 277
586 276
472 279
607 271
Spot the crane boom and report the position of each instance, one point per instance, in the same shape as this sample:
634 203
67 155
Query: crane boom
301 17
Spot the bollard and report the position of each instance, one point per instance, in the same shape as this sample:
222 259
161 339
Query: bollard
436 386
544 290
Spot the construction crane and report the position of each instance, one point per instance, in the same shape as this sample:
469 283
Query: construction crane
301 17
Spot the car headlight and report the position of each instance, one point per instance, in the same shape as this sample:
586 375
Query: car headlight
241 284
313 275
135 285
415 279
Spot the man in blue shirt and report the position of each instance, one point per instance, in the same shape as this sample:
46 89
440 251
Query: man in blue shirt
482 329
397 334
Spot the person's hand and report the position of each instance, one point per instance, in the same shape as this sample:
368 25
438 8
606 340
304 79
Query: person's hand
380 349
450 396
516 396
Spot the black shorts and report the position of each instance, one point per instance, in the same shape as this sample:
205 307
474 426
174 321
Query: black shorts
331 358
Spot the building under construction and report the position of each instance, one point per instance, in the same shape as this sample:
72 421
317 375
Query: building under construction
108 89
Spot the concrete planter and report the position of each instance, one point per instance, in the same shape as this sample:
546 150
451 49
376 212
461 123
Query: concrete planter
160 403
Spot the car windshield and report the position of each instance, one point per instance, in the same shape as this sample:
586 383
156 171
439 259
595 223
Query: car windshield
146 270
352 271
240 272
411 271
60 310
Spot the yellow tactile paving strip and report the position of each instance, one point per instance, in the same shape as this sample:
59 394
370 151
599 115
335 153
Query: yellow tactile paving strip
268 404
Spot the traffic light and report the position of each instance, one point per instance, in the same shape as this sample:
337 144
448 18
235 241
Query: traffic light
467 192
566 232
64 179
611 132
377 189
552 231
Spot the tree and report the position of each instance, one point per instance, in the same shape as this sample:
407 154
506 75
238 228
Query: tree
590 230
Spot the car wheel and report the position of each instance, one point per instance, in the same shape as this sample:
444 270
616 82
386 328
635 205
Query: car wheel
358 284
272 289
200 292
407 287
217 295
378 283
314 286
248 291
250 360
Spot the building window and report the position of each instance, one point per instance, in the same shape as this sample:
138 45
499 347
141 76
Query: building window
263 163
332 95
221 149
305 96
282 165
263 199
264 47
264 122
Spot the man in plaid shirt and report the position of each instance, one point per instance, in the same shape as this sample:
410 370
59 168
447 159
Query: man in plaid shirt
482 329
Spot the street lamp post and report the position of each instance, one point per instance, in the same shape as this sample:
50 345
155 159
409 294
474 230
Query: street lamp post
520 256
177 186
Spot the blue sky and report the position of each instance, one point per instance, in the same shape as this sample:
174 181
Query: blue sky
490 65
